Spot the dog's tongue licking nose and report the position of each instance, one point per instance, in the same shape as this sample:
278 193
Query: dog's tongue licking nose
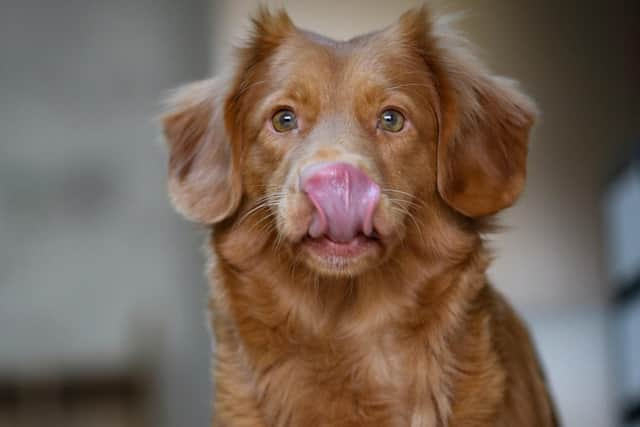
345 200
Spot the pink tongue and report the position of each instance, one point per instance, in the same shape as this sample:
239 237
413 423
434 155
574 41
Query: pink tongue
344 197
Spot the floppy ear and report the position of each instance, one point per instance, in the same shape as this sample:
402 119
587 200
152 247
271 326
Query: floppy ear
484 123
204 183
204 166
482 149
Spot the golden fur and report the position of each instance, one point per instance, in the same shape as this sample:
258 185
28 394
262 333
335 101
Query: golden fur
412 335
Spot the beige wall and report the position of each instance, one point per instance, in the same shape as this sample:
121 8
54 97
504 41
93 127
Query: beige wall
96 270
337 19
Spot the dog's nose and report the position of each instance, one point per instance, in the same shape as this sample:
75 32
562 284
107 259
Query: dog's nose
344 197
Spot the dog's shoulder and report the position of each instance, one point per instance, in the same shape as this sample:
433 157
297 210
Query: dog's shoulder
527 400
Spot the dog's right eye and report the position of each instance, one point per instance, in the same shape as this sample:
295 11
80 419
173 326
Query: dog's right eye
391 121
284 121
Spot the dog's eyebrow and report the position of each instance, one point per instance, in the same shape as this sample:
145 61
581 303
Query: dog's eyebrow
292 94
390 95
279 98
407 92
393 96
245 86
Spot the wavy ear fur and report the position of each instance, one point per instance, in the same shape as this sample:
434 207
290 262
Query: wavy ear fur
200 123
484 121
204 183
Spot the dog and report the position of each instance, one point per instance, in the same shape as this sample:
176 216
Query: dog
347 187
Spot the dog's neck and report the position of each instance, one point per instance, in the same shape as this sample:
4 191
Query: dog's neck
277 289
272 321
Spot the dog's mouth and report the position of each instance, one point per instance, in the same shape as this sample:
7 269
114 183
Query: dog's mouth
338 224
324 247
344 201
341 258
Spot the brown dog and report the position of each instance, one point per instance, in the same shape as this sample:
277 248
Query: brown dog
347 186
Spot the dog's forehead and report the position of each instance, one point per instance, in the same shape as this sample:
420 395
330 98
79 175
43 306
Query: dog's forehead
370 59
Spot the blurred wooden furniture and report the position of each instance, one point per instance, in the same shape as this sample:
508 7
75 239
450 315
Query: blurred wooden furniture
84 400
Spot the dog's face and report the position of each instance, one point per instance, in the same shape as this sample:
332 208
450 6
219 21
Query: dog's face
343 150
338 135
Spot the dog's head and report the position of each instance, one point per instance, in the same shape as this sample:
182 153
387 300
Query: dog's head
340 151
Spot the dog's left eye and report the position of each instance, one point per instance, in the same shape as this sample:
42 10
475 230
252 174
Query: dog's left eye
284 121
391 121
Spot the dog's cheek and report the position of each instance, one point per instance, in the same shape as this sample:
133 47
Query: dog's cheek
293 209
294 213
409 164
269 177
421 169
389 221
261 163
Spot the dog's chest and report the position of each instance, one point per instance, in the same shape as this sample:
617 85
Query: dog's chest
360 384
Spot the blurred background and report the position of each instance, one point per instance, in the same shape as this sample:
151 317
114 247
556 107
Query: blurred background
102 295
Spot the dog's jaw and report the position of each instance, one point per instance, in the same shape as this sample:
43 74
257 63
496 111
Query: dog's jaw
331 258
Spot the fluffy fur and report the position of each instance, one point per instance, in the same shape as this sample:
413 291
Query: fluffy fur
412 335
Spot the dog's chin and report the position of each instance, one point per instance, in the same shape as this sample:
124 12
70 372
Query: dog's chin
341 259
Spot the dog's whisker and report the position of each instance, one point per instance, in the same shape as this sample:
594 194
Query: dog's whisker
264 202
404 203
251 212
408 196
262 220
412 217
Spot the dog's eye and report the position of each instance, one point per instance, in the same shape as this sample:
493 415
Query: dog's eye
391 121
284 121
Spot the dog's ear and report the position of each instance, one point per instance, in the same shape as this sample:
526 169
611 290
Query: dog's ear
482 147
484 130
204 132
484 121
204 182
